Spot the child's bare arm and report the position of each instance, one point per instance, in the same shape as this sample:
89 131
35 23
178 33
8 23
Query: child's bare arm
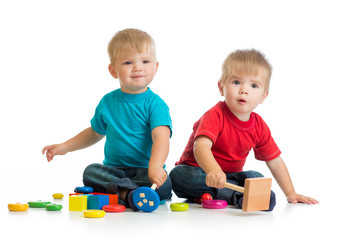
84 139
159 154
204 157
282 176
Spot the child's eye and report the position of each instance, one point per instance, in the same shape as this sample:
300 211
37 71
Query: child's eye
254 85
236 82
146 61
127 62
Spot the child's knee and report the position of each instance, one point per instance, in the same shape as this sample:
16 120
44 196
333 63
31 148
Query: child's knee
182 174
91 169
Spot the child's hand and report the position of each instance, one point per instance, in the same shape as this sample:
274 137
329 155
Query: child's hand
216 179
157 175
52 150
298 198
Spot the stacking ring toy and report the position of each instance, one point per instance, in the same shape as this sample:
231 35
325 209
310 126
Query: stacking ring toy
146 199
53 207
17 207
84 189
114 208
215 204
57 195
179 207
94 213
38 204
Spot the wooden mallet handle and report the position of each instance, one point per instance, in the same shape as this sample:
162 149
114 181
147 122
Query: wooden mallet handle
234 187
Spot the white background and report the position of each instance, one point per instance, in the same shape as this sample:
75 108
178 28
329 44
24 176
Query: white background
54 71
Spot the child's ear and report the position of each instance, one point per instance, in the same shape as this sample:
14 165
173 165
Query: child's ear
156 67
264 96
220 87
112 71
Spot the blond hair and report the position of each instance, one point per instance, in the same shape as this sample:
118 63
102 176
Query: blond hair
250 62
130 40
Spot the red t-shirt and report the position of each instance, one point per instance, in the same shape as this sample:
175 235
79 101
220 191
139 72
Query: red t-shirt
232 139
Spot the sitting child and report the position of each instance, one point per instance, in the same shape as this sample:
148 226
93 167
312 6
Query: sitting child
135 121
223 137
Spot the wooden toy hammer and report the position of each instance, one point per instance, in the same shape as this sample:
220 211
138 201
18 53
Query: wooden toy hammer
146 199
257 193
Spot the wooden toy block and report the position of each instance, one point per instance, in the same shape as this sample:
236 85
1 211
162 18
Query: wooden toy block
257 193
78 203
97 201
113 198
72 194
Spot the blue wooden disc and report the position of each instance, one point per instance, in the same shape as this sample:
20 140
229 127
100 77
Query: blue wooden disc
84 189
146 199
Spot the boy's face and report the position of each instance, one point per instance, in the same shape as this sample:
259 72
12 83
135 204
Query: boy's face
243 93
135 70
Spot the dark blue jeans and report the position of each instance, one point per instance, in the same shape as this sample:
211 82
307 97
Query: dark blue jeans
107 179
189 182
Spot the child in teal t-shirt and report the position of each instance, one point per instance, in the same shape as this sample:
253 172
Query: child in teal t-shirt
135 121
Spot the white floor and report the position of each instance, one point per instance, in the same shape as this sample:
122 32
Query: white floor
286 220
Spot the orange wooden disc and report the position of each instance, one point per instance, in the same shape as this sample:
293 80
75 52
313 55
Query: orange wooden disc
114 208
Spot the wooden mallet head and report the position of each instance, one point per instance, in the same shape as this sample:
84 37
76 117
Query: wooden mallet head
257 193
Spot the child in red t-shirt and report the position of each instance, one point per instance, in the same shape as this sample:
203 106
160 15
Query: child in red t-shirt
223 137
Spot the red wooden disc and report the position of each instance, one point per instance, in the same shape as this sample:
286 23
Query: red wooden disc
114 208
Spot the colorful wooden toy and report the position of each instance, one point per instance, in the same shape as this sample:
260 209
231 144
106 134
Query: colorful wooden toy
114 208
78 203
179 207
146 199
53 207
94 213
206 197
214 204
18 207
256 191
113 198
57 195
97 201
84 189
38 204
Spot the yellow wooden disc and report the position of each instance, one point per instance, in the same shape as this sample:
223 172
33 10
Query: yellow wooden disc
18 207
179 207
57 195
94 213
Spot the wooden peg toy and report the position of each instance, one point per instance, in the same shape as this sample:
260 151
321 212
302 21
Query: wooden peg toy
256 192
214 204
146 199
179 207
115 208
94 213
53 207
18 207
38 204
84 189
57 195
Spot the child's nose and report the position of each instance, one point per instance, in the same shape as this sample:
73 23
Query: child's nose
137 68
243 90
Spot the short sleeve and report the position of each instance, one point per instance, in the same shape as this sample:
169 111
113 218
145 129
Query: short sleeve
266 149
160 115
209 125
97 122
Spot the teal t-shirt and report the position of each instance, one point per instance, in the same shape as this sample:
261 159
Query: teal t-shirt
127 121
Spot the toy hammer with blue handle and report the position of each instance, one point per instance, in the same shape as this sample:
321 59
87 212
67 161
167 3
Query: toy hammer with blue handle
146 199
